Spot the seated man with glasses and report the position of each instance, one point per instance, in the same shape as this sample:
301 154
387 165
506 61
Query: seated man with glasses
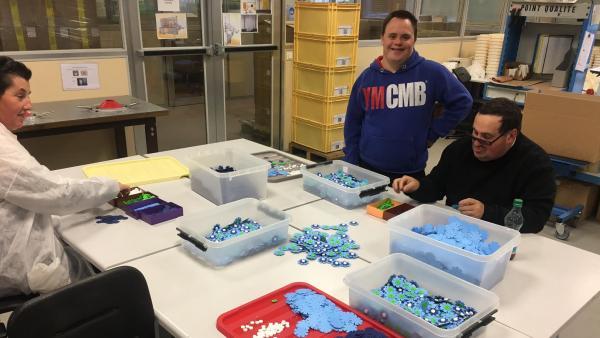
482 174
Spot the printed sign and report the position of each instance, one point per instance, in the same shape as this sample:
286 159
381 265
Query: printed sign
171 26
575 11
80 76
168 5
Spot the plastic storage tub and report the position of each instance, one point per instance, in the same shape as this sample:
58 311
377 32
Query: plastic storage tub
437 282
483 270
248 180
326 83
194 227
314 50
346 197
318 110
327 19
322 137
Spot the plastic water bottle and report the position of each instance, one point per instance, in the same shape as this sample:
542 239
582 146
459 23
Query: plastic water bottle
514 220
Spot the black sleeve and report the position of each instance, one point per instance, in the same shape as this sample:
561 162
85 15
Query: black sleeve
538 198
433 186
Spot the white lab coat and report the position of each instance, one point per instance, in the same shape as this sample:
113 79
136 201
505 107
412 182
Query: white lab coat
32 259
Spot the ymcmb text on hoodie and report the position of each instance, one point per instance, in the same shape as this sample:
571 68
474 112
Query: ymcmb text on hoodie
389 119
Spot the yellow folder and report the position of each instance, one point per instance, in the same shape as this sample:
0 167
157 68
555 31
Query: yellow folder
139 172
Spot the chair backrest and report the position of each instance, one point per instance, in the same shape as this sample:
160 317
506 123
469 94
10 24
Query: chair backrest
115 303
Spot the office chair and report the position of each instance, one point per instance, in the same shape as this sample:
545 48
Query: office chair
114 303
10 303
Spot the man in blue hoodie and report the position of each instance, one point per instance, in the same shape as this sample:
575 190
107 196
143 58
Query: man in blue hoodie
389 120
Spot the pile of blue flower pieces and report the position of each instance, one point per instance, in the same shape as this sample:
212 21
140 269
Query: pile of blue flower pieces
460 234
277 171
343 179
319 313
321 246
223 169
437 310
237 228
110 219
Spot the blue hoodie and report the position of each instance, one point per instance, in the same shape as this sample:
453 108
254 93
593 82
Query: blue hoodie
389 117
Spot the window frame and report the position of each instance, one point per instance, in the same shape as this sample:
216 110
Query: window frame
53 54
463 24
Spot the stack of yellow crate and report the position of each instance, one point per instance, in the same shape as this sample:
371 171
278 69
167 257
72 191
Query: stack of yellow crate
325 43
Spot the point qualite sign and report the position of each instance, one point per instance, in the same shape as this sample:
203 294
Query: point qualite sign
555 10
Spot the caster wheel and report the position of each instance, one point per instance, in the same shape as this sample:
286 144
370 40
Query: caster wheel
562 232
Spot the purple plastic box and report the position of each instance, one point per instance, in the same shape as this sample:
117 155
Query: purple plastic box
133 210
161 213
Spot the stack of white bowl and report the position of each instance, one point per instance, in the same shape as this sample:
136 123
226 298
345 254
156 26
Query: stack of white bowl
493 54
481 49
595 60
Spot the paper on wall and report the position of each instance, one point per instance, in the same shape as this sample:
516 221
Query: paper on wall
168 5
171 26
80 76
584 53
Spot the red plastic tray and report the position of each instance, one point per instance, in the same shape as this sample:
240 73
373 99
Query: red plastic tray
230 322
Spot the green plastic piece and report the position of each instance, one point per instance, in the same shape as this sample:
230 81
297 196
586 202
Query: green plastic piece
386 204
142 197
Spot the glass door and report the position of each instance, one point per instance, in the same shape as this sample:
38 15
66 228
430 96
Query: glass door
249 39
214 64
167 51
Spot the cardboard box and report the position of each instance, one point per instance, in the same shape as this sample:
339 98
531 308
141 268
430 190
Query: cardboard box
570 193
564 124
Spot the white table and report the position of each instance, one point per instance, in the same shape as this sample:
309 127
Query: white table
371 234
281 195
545 287
108 245
188 296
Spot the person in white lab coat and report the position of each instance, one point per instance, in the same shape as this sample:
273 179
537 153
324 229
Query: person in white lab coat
32 258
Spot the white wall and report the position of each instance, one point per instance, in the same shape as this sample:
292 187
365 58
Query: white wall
66 150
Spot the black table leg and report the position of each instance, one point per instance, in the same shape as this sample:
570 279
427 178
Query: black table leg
151 137
120 141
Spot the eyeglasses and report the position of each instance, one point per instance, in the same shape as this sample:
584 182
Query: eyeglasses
484 142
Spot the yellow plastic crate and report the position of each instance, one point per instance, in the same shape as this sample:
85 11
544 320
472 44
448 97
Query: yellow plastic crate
324 82
318 136
317 51
328 19
324 111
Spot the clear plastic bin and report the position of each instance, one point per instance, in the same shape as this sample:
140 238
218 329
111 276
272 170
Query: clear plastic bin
346 197
194 227
248 180
437 282
483 270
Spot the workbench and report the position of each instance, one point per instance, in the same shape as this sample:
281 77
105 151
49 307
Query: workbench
62 117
